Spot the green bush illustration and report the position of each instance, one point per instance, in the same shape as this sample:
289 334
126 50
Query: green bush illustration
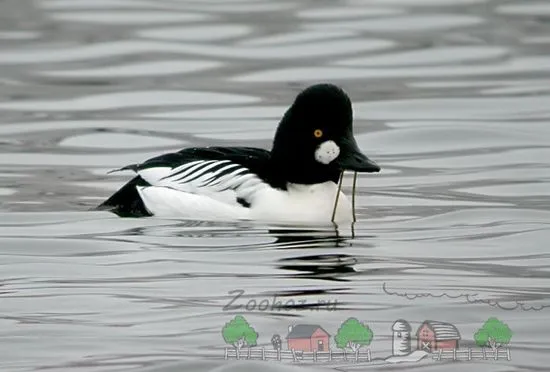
353 334
238 333
493 334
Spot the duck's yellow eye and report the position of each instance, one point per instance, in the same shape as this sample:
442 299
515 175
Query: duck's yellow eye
318 133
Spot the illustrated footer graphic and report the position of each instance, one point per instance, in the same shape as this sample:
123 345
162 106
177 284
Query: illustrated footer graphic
494 334
239 333
307 337
312 343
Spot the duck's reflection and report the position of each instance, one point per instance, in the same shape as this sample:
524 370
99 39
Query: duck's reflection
316 253
294 238
332 265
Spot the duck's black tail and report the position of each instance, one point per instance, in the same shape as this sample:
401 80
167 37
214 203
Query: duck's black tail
126 201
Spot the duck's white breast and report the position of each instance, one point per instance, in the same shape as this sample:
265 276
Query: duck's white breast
298 204
301 203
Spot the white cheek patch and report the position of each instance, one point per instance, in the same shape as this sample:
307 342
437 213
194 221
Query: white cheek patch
327 152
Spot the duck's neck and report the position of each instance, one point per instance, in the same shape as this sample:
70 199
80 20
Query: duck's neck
287 171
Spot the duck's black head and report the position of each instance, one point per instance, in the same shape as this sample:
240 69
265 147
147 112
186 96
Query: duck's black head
314 141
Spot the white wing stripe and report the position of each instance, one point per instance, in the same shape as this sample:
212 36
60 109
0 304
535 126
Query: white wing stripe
212 176
209 178
222 180
178 170
238 181
199 172
154 175
151 175
226 168
220 184
178 174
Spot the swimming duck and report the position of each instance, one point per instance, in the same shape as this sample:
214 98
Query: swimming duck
297 181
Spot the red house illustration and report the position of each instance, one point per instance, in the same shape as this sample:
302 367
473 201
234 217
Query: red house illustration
307 337
433 335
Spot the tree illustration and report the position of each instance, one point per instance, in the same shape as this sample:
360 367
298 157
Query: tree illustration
238 333
276 342
353 334
494 334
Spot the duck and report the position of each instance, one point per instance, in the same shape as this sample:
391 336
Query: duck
297 181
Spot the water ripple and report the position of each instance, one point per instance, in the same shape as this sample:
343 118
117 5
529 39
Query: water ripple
153 68
197 33
119 48
409 23
127 17
517 66
118 100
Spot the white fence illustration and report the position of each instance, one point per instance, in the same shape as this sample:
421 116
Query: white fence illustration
296 355
469 354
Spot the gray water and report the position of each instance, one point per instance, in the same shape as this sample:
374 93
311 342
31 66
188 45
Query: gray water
451 97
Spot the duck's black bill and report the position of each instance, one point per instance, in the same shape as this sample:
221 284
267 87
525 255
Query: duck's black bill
351 158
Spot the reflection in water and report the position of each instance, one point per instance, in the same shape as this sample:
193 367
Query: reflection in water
328 267
304 238
322 266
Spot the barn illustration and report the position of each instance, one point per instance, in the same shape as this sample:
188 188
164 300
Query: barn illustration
307 337
433 335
